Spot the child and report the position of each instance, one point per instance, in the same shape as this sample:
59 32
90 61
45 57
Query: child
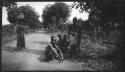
65 43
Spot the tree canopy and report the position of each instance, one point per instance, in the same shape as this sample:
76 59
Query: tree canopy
31 17
109 8
110 11
55 12
101 11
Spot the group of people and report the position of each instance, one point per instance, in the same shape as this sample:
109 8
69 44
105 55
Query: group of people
56 48
67 43
61 44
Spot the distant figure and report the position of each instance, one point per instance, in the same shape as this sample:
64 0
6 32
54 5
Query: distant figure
20 38
52 51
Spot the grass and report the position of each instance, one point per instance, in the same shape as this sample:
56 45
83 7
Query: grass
90 48
8 38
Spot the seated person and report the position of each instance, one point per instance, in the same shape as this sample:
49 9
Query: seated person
52 50
59 42
65 43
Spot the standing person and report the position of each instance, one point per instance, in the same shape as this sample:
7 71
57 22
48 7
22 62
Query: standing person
74 33
53 51
20 33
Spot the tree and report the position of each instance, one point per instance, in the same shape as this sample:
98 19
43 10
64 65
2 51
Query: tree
100 11
31 17
53 13
9 4
110 10
104 8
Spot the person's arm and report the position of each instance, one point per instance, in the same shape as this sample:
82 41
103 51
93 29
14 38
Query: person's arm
79 36
60 52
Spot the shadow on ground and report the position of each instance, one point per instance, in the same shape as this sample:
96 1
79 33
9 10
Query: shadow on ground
7 39
31 51
9 67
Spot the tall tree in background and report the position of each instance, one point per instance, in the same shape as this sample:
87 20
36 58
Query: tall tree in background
31 17
53 13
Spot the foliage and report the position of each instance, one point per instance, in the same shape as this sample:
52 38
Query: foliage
12 14
109 8
9 4
102 13
106 13
31 17
57 10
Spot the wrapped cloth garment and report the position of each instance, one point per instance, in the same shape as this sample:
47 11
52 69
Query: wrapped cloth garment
73 38
20 37
52 52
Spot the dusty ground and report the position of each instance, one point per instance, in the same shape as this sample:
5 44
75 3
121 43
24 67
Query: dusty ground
29 59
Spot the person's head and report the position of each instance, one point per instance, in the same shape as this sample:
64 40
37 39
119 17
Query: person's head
65 36
53 39
59 36
74 20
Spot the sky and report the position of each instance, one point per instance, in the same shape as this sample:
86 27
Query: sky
38 6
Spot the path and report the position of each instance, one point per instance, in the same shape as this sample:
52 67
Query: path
28 59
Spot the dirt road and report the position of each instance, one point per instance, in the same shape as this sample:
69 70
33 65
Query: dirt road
29 59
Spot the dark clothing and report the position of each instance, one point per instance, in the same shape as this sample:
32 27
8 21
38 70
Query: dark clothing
64 46
65 43
50 54
75 35
73 50
75 32
20 41
79 36
20 37
60 43
73 29
19 29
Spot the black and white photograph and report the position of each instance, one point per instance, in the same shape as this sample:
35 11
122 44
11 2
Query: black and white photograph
62 35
